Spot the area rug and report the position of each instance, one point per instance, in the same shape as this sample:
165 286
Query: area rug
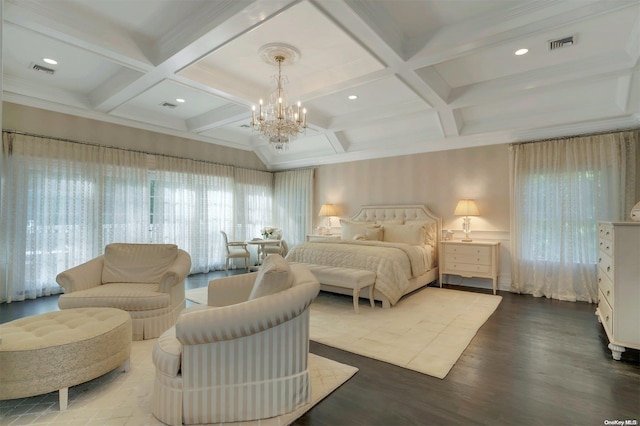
119 398
425 331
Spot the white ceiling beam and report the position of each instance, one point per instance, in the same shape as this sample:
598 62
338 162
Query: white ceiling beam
338 146
359 20
451 122
231 20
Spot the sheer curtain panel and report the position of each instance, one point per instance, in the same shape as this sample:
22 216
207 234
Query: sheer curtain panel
191 202
293 203
62 202
559 190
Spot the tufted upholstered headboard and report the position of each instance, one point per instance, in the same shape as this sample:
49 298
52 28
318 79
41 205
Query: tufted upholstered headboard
374 213
407 212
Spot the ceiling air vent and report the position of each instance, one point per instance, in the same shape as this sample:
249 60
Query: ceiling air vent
561 42
41 68
168 105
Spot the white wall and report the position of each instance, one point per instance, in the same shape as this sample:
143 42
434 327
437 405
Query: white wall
438 180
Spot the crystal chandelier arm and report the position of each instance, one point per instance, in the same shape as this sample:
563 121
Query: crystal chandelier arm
279 122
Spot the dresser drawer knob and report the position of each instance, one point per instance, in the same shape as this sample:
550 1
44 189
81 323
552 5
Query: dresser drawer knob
608 292
608 268
599 279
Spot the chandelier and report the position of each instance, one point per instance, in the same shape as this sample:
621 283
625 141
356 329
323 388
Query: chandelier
278 122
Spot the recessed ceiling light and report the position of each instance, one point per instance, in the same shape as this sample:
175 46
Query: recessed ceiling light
180 100
50 61
520 52
353 97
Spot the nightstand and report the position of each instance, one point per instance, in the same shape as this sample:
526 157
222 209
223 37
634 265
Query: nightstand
470 259
317 237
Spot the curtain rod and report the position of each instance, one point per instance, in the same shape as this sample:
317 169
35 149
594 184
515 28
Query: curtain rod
584 135
126 149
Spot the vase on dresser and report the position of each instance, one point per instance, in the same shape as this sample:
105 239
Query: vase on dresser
619 284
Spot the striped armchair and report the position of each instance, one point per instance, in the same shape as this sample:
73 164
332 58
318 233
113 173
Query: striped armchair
146 280
237 359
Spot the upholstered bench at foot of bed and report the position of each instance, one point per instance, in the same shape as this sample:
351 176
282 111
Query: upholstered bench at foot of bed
349 278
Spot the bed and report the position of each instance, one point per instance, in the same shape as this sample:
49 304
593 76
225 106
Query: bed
397 242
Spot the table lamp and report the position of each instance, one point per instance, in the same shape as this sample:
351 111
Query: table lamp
466 208
328 210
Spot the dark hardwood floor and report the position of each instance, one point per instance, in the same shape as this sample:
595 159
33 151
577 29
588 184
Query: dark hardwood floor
536 361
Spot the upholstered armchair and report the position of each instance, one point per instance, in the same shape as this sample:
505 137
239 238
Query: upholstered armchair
244 355
146 280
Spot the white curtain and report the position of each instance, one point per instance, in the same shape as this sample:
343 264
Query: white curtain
253 206
192 201
293 204
559 190
61 203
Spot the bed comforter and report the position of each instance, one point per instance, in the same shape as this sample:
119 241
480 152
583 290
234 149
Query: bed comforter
393 263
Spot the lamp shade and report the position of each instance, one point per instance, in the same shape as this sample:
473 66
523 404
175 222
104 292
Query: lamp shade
327 210
466 208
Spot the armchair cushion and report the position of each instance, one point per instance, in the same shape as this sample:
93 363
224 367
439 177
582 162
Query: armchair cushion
125 296
137 263
274 276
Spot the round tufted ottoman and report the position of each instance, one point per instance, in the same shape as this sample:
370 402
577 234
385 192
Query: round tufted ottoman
43 353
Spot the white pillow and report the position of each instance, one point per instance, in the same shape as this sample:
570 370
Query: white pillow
408 234
430 235
431 229
351 229
371 234
274 276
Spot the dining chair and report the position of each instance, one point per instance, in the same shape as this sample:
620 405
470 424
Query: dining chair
235 250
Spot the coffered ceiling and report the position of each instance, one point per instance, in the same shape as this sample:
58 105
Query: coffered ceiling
429 74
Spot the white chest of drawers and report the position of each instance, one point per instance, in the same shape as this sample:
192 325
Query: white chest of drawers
470 259
619 284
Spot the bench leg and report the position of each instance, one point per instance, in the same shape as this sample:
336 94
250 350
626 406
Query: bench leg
356 297
63 398
126 365
373 303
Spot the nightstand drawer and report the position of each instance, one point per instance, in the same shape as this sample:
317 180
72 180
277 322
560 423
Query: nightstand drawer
606 288
469 250
471 259
461 268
